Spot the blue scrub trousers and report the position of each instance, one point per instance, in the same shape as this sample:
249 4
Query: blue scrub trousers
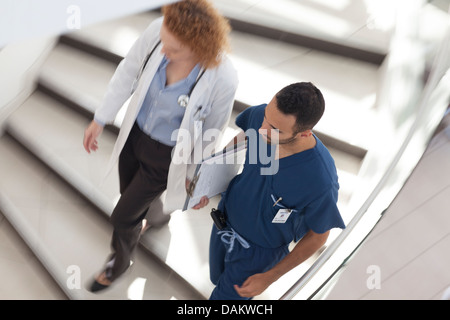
233 260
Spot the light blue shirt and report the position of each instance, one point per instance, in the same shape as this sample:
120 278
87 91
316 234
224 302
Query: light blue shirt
160 113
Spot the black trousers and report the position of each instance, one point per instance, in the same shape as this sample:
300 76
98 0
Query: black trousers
143 170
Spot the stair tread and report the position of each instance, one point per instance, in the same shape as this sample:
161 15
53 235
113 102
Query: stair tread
21 269
352 25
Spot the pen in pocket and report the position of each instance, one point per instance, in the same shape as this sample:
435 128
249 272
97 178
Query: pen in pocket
276 201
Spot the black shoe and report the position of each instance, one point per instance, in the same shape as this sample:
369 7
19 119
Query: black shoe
96 287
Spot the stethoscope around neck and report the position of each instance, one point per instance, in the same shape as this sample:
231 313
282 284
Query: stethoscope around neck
183 100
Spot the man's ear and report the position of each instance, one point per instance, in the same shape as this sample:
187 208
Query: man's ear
306 133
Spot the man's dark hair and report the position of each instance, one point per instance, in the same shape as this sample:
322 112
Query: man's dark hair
304 101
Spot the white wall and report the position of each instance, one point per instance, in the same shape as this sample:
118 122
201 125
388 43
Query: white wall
19 64
26 19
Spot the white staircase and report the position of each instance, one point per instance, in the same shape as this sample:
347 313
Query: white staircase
55 193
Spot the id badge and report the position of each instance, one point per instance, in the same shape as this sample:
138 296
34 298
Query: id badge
282 216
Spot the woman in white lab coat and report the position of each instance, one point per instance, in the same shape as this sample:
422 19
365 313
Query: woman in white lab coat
181 82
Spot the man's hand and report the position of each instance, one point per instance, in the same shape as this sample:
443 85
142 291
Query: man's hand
254 285
305 248
91 134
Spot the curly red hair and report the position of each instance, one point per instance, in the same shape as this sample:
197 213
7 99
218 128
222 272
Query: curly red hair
199 25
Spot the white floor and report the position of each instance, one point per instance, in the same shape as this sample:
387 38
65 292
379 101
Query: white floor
406 256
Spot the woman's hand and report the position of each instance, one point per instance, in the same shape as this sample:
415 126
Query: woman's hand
203 201
91 134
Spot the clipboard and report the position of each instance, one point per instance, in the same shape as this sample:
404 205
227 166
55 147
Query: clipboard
214 173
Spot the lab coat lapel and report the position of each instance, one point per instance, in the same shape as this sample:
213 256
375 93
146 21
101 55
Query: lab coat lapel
133 107
195 101
176 183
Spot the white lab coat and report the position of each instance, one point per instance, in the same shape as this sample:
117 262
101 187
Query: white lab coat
215 92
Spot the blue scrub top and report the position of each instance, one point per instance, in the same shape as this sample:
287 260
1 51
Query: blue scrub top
307 182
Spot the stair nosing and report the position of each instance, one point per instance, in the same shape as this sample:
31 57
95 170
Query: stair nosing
37 246
371 56
314 43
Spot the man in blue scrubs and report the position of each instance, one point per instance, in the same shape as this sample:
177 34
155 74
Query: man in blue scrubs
266 212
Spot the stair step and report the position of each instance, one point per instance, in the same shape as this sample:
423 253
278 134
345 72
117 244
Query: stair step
120 35
352 28
37 244
23 275
77 75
